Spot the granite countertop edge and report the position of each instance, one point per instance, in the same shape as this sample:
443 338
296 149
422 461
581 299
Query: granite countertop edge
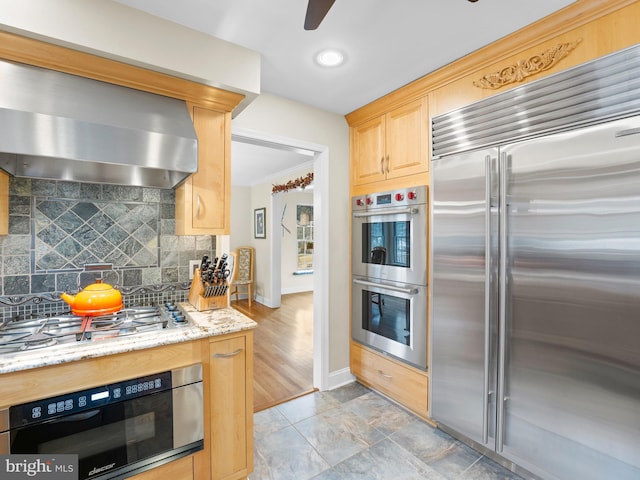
204 324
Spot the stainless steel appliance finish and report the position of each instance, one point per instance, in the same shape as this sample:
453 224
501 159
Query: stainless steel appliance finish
117 430
535 307
24 334
389 273
389 235
607 88
391 317
64 127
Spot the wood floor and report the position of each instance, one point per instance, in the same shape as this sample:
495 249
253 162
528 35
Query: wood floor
283 349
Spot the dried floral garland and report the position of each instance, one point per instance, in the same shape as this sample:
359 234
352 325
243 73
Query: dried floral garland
301 182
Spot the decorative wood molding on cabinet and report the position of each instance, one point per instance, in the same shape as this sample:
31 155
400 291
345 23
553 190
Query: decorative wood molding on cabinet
620 27
533 65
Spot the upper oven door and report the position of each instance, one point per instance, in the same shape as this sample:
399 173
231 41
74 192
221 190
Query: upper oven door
391 244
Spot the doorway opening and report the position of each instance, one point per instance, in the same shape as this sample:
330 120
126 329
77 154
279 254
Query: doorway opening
268 250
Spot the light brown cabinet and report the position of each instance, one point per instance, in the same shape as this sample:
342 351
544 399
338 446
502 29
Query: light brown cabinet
4 203
231 400
406 385
202 200
392 145
181 469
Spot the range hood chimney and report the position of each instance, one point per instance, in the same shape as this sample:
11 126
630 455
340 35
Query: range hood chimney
63 127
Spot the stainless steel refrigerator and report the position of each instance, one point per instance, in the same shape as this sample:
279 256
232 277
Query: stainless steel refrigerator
535 327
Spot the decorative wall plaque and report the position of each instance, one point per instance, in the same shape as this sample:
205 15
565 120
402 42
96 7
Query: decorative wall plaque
527 67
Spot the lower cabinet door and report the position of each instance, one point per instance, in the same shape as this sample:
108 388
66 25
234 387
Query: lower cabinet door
231 415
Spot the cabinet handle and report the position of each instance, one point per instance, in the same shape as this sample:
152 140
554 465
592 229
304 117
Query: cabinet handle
198 211
382 165
384 374
387 163
226 355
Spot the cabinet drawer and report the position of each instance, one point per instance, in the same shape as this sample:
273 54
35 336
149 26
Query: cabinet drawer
403 384
181 469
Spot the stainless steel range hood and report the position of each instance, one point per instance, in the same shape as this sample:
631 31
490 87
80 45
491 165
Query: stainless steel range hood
64 127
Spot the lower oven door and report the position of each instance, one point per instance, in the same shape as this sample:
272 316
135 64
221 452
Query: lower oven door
117 440
391 317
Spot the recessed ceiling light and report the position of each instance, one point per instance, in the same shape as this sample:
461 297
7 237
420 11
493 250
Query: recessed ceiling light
330 58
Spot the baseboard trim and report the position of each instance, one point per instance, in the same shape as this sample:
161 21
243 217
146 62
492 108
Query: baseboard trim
340 378
263 301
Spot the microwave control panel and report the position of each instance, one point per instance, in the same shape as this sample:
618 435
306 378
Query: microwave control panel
46 409
393 198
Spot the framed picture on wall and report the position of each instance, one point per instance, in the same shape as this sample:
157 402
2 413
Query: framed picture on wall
259 221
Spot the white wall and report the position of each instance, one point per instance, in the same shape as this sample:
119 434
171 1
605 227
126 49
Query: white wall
116 31
286 118
241 217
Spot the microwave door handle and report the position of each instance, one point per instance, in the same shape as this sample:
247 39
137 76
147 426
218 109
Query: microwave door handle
78 417
407 291
389 211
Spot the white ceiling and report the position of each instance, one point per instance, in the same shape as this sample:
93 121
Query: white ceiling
387 43
252 164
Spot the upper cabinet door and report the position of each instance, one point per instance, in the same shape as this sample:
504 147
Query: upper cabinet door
407 140
202 201
391 146
368 151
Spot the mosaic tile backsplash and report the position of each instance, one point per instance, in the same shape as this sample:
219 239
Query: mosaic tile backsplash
57 228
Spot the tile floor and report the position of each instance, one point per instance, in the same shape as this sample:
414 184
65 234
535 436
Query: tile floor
354 433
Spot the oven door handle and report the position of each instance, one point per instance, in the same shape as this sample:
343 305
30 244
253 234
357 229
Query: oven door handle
389 211
407 291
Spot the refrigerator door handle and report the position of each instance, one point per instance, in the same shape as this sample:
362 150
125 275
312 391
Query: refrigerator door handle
625 133
487 298
502 317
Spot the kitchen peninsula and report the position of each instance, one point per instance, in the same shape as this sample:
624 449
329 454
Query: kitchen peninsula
220 341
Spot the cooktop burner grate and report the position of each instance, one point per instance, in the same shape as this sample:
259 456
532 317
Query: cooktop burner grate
32 333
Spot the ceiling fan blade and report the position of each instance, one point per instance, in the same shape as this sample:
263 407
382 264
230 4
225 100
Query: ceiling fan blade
316 11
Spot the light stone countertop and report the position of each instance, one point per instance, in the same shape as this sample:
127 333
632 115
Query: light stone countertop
204 324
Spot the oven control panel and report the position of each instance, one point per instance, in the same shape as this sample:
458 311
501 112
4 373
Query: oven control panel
392 198
48 408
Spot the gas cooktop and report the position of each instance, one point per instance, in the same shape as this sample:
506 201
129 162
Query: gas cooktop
32 333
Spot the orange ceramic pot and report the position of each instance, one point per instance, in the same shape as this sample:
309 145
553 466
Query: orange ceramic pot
96 299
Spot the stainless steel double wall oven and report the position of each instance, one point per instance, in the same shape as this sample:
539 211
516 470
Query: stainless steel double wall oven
389 273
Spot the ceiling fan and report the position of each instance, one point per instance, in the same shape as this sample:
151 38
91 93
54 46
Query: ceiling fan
318 9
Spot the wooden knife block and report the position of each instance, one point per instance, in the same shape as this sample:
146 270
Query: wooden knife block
202 303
